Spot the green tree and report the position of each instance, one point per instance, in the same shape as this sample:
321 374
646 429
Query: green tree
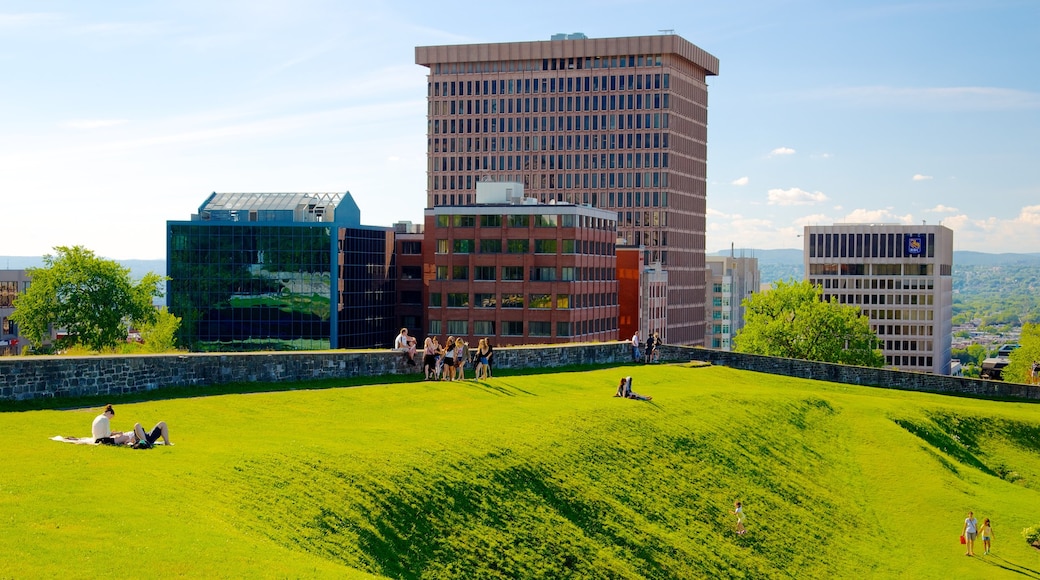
160 334
1020 367
793 321
92 298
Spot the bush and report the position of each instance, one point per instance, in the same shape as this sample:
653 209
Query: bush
1032 534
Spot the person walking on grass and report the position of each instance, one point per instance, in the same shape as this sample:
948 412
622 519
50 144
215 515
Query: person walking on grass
971 529
738 510
987 535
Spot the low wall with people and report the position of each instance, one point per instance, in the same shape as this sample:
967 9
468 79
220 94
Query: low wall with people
23 378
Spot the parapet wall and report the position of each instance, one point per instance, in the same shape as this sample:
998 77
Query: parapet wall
23 378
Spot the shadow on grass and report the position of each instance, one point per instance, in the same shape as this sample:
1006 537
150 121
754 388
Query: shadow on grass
187 392
949 443
1002 563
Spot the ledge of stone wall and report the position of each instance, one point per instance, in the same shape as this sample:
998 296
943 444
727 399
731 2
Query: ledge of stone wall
23 378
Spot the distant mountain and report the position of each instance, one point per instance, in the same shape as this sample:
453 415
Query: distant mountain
138 268
785 257
965 258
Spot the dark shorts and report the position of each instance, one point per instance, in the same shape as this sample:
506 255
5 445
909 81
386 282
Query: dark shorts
105 440
448 361
429 360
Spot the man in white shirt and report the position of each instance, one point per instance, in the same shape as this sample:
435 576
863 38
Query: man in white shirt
635 347
406 344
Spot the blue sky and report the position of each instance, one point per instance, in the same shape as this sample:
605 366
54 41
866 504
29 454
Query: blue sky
117 116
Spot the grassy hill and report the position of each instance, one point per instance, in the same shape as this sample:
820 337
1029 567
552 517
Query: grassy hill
539 476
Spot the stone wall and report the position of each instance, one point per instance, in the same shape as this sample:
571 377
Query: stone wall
23 378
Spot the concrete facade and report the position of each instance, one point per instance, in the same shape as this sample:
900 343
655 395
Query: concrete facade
616 123
733 279
12 283
900 276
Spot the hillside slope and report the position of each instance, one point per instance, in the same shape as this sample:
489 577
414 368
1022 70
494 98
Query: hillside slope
542 476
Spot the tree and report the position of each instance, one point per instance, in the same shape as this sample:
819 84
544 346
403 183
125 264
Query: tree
92 298
793 321
160 334
1020 367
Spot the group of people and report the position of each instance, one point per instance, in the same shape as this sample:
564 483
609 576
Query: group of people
972 530
101 429
448 361
649 353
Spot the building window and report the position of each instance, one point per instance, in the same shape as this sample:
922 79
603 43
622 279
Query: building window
491 221
435 327
411 272
483 272
519 221
442 272
442 246
484 300
539 301
536 328
411 248
567 247
563 301
443 221
460 272
463 246
490 246
458 300
567 274
518 246
512 301
512 273
543 274
563 329
512 328
411 297
463 221
484 327
436 299
545 246
546 221
458 327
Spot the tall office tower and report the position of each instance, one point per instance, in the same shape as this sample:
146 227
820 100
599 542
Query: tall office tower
900 276
615 123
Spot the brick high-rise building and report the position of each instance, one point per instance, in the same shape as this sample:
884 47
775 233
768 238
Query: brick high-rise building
615 123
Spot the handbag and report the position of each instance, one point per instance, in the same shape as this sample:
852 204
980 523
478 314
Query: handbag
963 540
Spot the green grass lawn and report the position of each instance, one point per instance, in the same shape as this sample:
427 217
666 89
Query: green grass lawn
537 476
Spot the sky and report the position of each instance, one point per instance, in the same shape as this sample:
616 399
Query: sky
118 116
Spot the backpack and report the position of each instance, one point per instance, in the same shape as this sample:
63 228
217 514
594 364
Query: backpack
142 444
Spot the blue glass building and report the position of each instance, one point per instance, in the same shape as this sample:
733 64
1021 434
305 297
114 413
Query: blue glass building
280 271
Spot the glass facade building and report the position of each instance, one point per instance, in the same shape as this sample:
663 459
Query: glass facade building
280 272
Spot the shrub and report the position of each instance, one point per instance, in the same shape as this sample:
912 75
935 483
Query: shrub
1032 534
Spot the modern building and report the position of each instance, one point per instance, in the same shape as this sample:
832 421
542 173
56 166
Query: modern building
613 123
12 283
281 271
519 271
733 279
901 278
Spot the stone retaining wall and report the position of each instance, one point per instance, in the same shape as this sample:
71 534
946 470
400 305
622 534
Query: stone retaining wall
23 378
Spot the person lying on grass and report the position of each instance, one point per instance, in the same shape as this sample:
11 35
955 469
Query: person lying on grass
625 390
101 429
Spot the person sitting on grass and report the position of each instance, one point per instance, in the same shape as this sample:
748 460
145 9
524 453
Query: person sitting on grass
625 390
102 429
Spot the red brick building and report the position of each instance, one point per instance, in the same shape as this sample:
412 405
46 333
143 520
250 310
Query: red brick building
519 271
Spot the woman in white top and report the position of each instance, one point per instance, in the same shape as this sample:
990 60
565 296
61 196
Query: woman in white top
102 429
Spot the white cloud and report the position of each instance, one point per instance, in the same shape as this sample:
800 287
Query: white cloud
1029 216
821 156
919 177
942 209
87 124
781 151
795 196
876 216
740 181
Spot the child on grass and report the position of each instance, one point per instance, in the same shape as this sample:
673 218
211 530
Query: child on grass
738 510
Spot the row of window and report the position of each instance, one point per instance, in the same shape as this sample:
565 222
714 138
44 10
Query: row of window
877 284
9 290
492 107
586 123
903 330
510 300
895 299
517 86
516 327
871 245
624 180
908 361
471 144
905 314
912 345
523 246
525 220
516 274
553 162
907 269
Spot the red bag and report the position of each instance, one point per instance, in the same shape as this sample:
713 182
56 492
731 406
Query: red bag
963 540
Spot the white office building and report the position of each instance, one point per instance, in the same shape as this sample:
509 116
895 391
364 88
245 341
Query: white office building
901 278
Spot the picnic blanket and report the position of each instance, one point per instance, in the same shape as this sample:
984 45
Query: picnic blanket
74 440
